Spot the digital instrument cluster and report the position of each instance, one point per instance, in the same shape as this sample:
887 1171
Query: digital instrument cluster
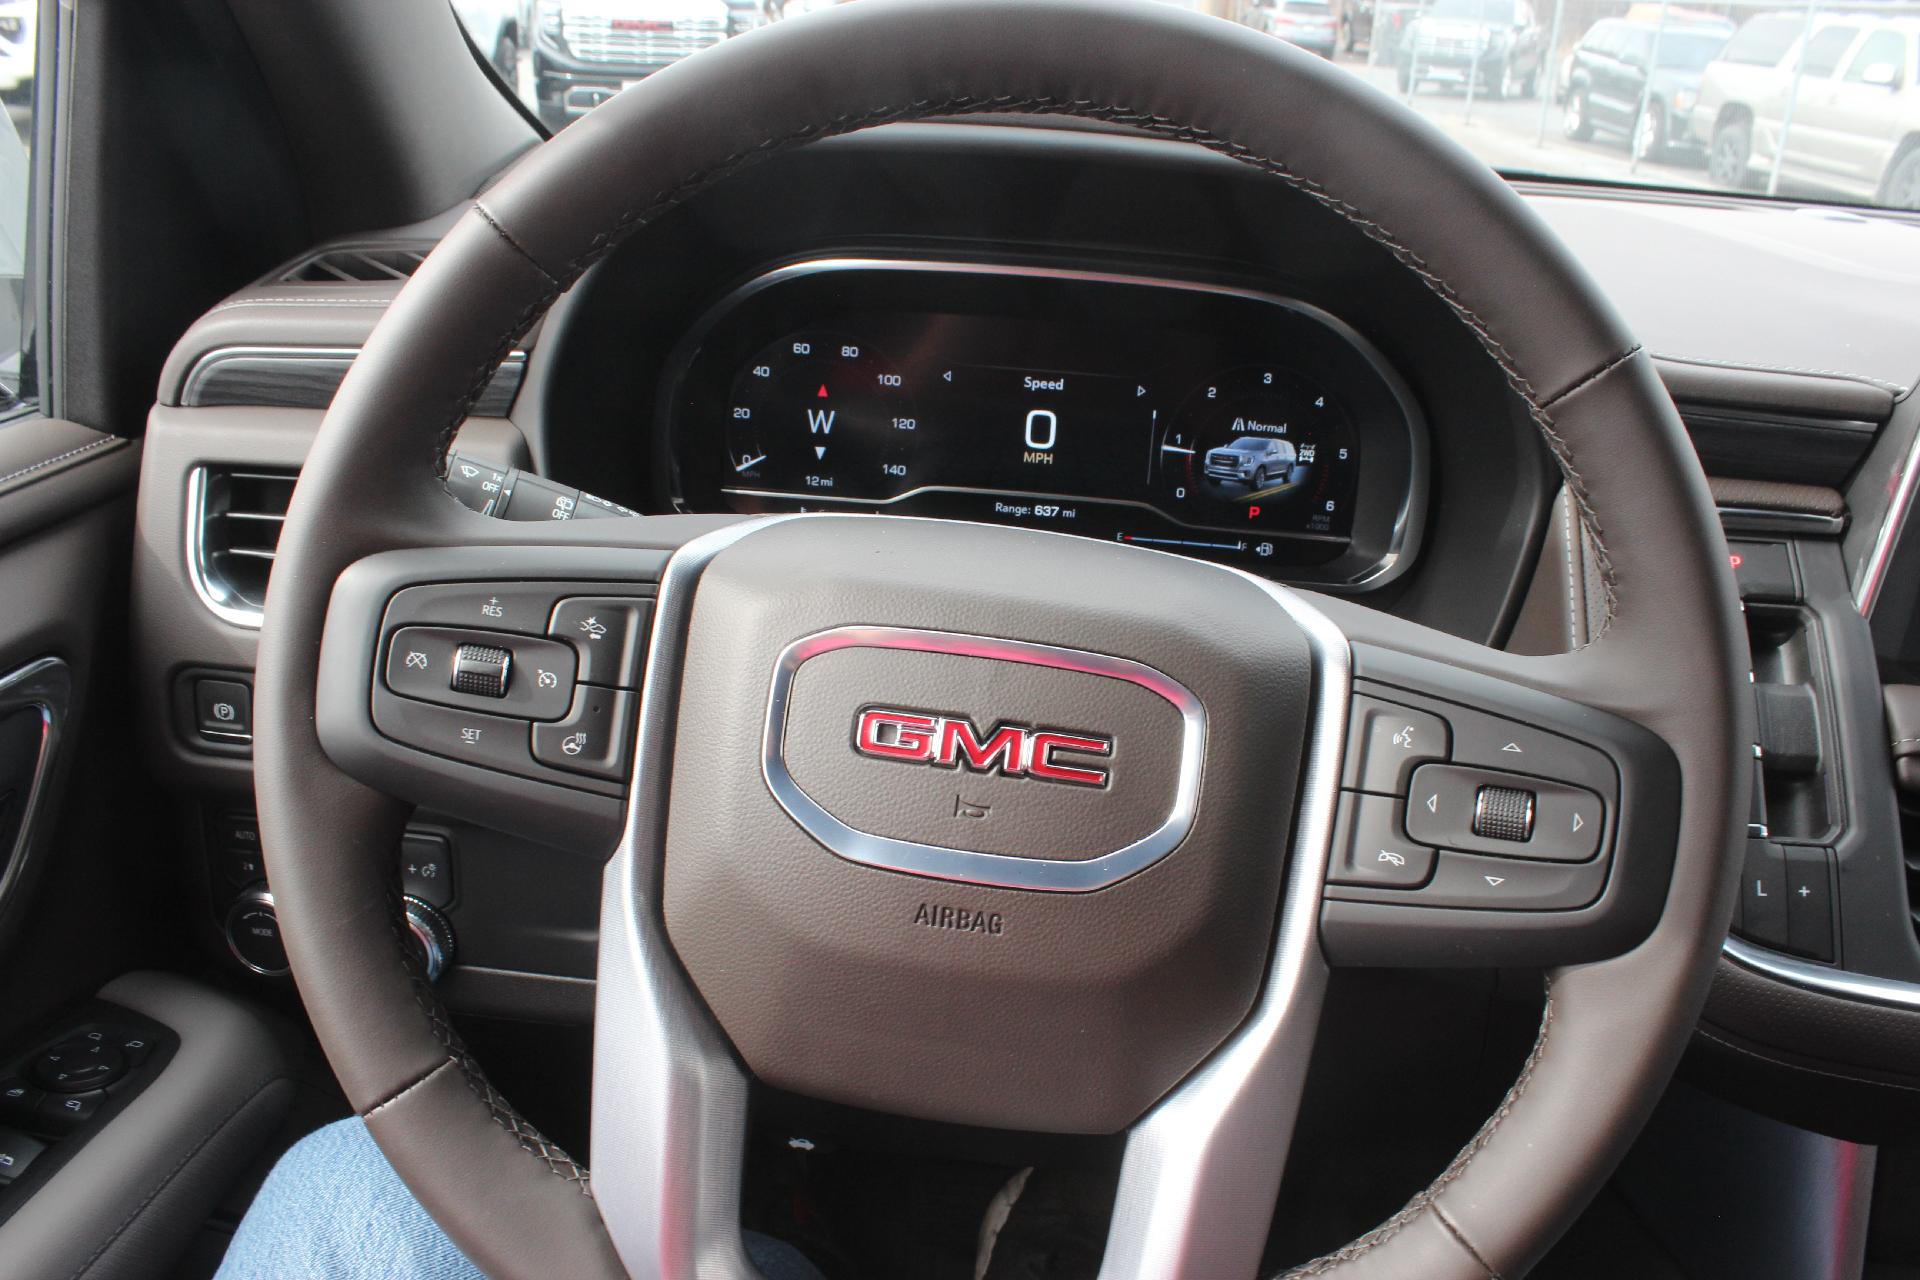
1197 419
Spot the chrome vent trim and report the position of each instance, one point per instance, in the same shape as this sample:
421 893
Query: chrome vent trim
234 516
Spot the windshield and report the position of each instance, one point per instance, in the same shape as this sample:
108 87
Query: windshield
1793 101
1474 10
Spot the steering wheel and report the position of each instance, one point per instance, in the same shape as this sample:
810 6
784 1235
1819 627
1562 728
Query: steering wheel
1182 762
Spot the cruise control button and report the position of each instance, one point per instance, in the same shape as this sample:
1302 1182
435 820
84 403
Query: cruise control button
1370 848
1468 880
1386 743
494 742
483 670
610 635
490 606
535 676
594 738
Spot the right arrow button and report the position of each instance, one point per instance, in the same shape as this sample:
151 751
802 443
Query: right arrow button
1567 823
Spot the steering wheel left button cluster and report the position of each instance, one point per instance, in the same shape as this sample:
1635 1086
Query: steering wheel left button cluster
532 679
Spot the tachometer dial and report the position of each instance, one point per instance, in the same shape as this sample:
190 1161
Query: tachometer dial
820 413
1260 447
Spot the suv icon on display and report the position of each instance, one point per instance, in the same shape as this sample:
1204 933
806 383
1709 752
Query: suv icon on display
1252 460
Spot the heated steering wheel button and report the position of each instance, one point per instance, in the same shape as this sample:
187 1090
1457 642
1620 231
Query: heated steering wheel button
595 736
1387 743
1371 849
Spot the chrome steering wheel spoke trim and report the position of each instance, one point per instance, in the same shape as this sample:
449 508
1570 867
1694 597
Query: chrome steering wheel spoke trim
669 1097
1202 1169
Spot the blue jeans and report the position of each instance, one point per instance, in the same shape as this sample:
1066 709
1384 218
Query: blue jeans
334 1208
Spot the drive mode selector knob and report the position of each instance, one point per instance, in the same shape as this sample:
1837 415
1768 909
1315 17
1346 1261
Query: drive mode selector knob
430 936
253 934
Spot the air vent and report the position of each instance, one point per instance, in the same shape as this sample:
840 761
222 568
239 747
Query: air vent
234 519
380 263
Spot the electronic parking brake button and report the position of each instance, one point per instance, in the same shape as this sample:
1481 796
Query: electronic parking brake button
1371 849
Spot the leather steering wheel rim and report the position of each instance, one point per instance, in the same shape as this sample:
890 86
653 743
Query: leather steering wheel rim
1671 654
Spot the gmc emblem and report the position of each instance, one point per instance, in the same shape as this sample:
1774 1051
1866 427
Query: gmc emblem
951 742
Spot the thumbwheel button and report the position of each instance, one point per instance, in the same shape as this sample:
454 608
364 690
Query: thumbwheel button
482 670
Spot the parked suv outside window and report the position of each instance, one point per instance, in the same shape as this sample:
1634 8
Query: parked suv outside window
1496 44
1622 65
585 51
1841 115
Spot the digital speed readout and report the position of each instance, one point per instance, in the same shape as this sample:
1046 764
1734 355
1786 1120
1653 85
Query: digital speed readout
1253 450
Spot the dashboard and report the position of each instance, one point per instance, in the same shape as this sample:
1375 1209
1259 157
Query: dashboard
1202 419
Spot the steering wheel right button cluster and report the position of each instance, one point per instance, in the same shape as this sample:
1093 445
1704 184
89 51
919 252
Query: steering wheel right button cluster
1487 812
1482 821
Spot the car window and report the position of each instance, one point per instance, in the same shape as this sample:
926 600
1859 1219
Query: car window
18 42
1636 46
1595 41
1690 50
1882 48
1763 41
1826 48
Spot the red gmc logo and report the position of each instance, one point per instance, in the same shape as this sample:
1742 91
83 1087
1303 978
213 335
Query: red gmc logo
951 742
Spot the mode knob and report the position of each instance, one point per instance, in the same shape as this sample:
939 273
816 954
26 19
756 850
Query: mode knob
431 937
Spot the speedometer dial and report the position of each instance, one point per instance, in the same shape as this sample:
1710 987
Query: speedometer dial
1260 447
823 414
